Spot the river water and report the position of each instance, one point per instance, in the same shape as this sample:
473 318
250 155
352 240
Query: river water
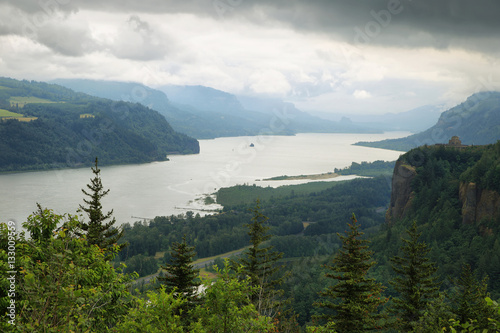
173 187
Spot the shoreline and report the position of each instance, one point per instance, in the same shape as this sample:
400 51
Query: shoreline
320 176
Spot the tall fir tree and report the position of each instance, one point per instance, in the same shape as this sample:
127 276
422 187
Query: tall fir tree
181 274
99 230
416 281
260 263
354 298
468 299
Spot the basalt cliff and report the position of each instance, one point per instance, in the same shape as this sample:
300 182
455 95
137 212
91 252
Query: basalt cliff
467 178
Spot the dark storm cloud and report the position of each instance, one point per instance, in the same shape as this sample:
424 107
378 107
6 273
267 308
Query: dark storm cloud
402 23
473 25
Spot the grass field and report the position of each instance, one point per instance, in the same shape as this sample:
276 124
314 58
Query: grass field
245 194
21 101
301 177
7 113
4 88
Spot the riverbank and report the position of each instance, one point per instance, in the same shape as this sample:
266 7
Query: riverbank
320 176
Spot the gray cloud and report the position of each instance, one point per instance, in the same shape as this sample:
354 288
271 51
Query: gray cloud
407 23
138 41
66 40
403 23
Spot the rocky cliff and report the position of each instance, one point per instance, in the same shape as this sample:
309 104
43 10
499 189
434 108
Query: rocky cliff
401 191
478 203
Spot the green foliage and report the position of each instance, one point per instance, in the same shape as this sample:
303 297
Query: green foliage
181 275
486 172
435 318
157 313
227 307
247 194
98 231
468 299
328 328
415 283
472 326
63 284
368 169
141 265
259 263
354 298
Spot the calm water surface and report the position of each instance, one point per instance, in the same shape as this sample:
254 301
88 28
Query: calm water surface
172 187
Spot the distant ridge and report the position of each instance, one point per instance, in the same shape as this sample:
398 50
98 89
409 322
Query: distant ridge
475 121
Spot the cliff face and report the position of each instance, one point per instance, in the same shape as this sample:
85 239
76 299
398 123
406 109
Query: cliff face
401 191
478 203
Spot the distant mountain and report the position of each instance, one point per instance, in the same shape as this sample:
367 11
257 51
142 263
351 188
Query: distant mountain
270 115
476 122
299 121
204 98
414 120
46 126
225 108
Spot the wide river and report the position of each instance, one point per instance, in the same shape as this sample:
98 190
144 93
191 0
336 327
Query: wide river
173 187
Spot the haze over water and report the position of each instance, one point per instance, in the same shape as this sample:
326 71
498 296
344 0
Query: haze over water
166 188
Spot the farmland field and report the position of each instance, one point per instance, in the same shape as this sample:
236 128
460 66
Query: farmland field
7 113
21 101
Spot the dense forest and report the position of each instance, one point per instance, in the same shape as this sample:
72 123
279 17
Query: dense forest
316 233
69 129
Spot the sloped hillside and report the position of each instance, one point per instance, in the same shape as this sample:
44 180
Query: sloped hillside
454 196
476 122
68 129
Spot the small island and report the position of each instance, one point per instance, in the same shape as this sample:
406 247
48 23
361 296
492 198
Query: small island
302 177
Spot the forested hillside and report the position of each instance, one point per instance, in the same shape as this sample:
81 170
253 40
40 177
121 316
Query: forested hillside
68 129
461 226
476 121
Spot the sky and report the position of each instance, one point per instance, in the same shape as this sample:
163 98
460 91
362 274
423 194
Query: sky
335 56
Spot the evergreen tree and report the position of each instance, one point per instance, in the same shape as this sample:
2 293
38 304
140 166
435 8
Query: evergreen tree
416 282
468 301
259 263
98 231
181 275
355 297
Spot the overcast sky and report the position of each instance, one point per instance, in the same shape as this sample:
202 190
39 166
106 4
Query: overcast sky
339 56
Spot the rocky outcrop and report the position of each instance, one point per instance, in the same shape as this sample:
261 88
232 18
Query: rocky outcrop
402 193
478 203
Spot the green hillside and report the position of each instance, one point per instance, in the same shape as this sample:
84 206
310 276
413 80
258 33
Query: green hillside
70 129
455 200
476 122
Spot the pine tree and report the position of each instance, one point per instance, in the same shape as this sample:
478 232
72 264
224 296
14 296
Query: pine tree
259 263
355 297
98 231
416 282
468 299
181 275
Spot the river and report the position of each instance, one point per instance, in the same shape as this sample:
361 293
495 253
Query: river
173 187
